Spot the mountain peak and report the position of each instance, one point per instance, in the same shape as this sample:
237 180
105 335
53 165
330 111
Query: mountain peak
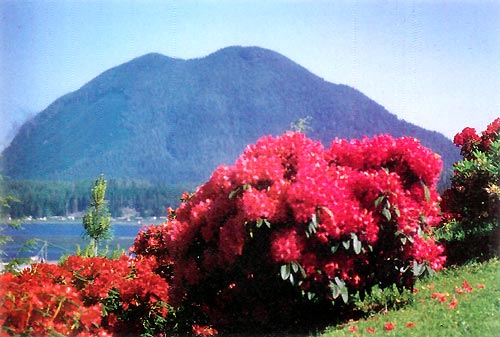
247 52
165 119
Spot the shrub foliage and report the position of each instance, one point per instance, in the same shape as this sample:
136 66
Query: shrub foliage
292 225
473 201
84 297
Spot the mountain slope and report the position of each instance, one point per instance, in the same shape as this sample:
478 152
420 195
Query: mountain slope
170 120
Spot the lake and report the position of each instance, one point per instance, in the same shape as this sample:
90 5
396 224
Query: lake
62 238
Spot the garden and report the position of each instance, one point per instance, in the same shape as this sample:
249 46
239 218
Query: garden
294 239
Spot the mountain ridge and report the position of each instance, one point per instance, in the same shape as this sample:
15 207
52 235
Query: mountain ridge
173 120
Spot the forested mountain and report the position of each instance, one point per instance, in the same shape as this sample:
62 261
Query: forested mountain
167 120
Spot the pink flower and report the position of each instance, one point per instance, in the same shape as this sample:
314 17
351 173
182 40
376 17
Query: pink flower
257 204
389 326
439 296
286 246
353 328
454 303
467 287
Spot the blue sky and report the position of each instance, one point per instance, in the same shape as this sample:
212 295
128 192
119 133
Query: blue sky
433 63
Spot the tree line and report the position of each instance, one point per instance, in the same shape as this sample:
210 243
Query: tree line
63 198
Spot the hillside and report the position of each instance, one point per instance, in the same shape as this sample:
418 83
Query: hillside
169 120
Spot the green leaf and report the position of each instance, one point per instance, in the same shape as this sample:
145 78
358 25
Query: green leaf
387 214
335 290
234 192
431 271
346 244
379 200
426 192
295 267
396 211
268 224
334 248
285 271
342 289
356 244
403 240
344 292
418 268
302 271
313 226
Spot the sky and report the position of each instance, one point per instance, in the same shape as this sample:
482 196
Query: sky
432 63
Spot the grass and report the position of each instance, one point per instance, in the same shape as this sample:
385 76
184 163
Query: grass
477 313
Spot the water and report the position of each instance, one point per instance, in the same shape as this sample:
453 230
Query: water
62 238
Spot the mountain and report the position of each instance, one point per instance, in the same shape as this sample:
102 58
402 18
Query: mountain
168 120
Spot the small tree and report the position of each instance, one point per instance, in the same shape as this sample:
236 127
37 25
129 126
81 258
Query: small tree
6 221
302 125
97 221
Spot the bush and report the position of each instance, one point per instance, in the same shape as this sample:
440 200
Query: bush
471 229
85 297
292 227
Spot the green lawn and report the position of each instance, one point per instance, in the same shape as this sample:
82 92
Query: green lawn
474 313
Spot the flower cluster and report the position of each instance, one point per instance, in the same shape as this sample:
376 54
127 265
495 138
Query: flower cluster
83 297
472 204
41 301
292 218
453 303
470 141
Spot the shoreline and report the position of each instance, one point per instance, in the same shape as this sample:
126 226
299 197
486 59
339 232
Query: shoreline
120 222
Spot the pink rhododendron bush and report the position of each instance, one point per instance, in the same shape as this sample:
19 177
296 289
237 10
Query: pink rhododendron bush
292 227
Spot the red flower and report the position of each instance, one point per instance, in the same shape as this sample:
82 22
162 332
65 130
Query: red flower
467 287
480 286
370 330
410 325
353 328
203 330
439 296
454 303
389 326
459 290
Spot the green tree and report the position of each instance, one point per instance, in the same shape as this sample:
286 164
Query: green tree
302 125
5 221
6 202
97 220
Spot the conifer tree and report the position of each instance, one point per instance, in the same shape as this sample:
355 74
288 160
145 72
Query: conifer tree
97 221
